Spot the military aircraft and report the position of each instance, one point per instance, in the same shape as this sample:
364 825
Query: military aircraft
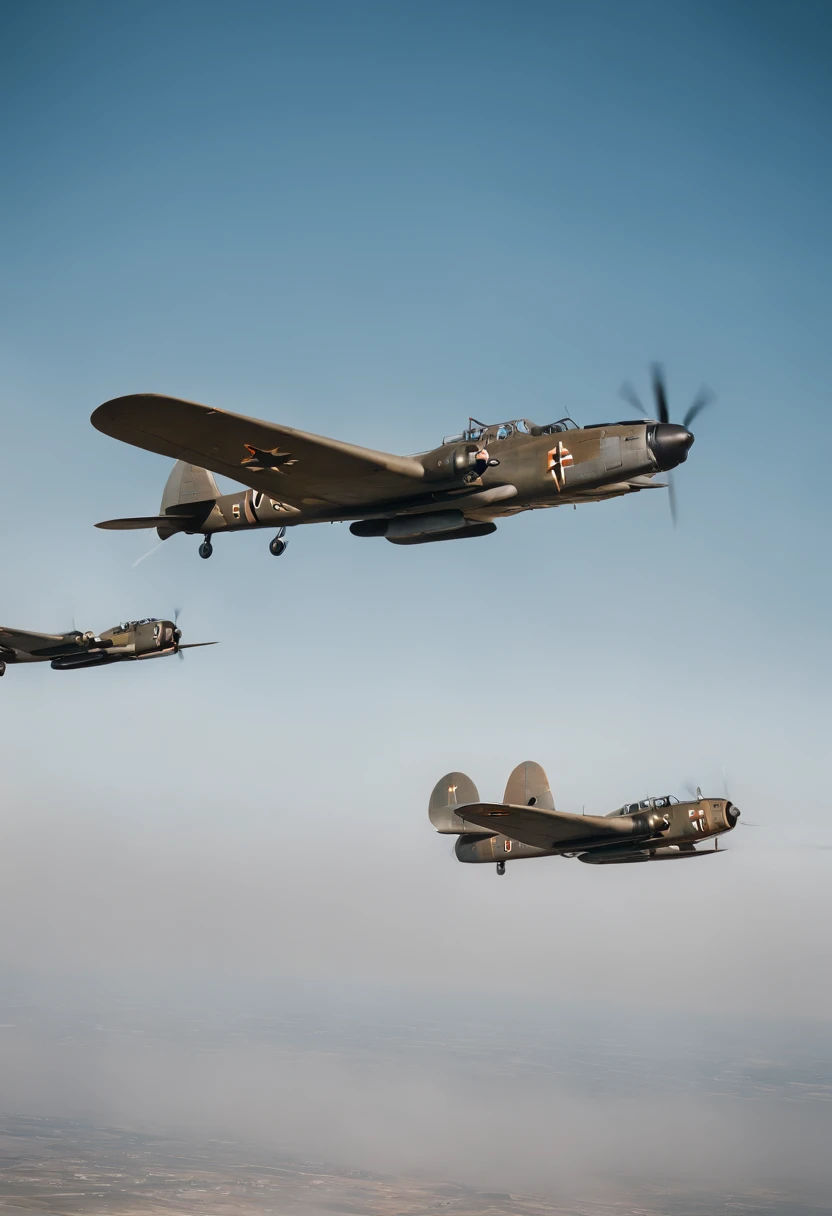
149 638
456 491
526 824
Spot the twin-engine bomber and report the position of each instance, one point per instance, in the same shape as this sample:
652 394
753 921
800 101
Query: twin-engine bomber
526 824
454 492
149 638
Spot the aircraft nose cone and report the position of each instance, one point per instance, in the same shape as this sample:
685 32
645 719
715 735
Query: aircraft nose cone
670 443
732 813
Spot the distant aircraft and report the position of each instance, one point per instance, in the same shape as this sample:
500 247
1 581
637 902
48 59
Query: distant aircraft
526 824
149 638
453 492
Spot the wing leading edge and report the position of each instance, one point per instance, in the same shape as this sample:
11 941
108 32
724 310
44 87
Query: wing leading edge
291 465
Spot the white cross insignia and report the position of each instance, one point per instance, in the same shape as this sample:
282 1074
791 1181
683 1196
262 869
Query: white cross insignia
560 459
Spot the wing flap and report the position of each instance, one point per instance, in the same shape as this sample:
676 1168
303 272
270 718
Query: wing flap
287 464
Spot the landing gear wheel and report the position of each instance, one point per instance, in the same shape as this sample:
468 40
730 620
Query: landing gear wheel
277 547
206 549
501 867
2 669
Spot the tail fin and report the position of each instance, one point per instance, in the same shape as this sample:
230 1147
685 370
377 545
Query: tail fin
452 791
528 785
188 483
188 486
187 501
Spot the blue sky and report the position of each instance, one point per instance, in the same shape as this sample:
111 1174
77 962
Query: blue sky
370 221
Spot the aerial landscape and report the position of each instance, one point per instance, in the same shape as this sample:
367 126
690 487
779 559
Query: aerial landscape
586 1089
549 278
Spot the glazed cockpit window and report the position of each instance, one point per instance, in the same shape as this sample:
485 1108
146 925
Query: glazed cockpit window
553 428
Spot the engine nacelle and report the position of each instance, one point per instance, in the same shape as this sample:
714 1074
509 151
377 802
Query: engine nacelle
465 460
651 823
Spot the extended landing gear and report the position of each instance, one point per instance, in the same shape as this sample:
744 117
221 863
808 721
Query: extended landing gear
2 669
277 547
501 867
206 548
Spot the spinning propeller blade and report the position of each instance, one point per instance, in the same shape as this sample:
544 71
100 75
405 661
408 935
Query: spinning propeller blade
180 646
702 399
660 393
744 823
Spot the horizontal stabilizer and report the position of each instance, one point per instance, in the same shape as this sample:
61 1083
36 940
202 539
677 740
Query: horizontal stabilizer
177 517
136 522
194 511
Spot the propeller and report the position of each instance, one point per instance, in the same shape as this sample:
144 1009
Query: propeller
82 637
177 634
702 399
696 795
744 823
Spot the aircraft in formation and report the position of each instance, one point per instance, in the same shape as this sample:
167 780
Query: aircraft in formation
526 824
150 638
453 492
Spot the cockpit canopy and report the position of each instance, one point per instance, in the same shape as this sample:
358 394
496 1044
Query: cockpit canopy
145 620
489 432
646 804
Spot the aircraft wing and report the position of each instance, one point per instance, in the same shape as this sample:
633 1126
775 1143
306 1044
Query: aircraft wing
541 828
288 465
47 644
